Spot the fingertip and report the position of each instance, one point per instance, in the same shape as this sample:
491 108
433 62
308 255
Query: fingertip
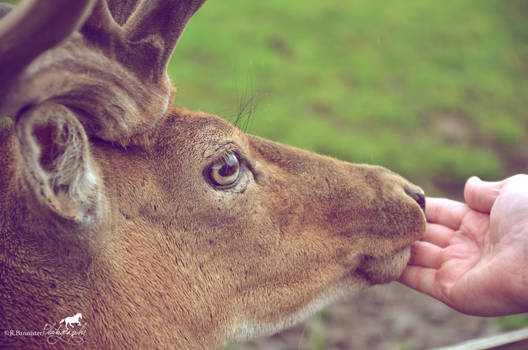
471 184
433 204
419 278
406 276
438 235
480 195
470 188
445 211
473 179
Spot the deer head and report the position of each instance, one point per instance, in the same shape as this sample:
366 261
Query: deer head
166 228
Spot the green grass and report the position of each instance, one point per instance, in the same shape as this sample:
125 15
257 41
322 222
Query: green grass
512 322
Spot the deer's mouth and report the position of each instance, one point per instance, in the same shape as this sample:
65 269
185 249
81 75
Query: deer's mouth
386 268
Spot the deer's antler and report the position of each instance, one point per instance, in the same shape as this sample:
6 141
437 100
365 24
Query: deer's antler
40 23
111 73
143 39
121 10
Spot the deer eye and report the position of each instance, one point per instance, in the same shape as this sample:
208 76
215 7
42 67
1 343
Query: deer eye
225 171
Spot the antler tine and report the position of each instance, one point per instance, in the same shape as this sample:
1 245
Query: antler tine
153 31
44 24
102 29
117 11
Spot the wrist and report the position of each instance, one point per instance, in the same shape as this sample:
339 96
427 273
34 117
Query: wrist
520 289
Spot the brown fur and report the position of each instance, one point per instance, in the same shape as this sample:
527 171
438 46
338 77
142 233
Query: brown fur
174 262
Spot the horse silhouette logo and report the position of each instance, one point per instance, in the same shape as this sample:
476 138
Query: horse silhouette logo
68 321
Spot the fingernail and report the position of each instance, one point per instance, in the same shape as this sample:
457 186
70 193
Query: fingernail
473 178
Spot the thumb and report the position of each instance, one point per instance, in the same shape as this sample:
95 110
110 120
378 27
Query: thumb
480 195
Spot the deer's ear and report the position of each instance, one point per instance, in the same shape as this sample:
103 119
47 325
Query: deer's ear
57 166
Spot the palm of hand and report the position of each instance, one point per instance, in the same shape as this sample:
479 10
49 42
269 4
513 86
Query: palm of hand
470 259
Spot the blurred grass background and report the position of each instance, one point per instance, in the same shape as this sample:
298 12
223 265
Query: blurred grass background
435 91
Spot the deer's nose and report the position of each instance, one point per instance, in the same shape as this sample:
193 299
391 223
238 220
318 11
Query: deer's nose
417 194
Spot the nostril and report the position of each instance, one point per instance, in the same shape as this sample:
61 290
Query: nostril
417 194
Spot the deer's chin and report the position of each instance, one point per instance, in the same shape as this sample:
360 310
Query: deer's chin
384 269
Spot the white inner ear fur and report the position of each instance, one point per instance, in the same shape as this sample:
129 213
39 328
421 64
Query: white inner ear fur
55 149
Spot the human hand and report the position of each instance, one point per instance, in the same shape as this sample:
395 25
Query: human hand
474 256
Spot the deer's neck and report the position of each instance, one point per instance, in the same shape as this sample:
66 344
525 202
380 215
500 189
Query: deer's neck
33 271
49 274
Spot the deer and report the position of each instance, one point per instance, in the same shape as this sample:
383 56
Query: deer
166 228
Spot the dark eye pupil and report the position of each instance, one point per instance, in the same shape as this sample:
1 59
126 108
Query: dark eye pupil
230 166
225 171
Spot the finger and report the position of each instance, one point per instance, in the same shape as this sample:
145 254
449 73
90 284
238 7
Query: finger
480 195
426 255
445 212
438 235
420 278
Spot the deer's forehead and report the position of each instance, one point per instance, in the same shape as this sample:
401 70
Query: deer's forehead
200 135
